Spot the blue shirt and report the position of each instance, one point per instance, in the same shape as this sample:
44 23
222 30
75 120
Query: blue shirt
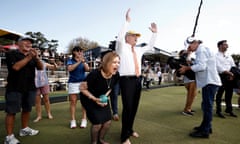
78 74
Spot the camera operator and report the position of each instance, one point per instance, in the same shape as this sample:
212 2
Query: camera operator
189 84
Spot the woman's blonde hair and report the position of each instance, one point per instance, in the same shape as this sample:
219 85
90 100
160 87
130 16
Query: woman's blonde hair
107 59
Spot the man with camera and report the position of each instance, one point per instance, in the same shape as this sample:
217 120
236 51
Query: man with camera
207 79
224 64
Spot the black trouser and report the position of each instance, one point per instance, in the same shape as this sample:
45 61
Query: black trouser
159 80
148 83
130 91
227 87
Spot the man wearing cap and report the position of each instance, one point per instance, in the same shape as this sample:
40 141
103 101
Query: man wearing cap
207 79
130 75
21 90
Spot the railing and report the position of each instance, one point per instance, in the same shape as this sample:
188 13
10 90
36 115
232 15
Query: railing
56 79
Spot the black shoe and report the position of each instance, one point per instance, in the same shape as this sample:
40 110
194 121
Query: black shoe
198 128
193 111
232 114
187 113
199 134
220 115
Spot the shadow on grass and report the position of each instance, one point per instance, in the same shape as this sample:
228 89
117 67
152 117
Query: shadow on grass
158 121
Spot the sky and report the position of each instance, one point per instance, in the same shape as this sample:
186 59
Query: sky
101 20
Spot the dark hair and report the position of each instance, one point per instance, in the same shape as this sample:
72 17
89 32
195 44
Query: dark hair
221 42
76 48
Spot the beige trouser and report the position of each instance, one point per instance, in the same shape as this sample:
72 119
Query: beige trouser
191 94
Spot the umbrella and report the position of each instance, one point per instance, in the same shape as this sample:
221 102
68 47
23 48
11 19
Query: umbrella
9 35
13 46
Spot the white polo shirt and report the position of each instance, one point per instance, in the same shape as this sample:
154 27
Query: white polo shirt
224 62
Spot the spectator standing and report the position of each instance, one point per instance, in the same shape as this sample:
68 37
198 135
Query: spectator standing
77 67
42 84
207 78
148 78
21 90
159 74
130 71
224 64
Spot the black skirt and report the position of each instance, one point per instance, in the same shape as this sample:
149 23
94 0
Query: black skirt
95 113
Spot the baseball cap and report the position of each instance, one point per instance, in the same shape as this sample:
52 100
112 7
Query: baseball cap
131 32
26 38
190 40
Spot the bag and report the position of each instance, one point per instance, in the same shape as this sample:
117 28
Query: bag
41 78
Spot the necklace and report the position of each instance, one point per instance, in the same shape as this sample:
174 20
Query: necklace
109 82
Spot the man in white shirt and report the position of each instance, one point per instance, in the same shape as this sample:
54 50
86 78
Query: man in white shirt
130 74
224 64
207 79
159 74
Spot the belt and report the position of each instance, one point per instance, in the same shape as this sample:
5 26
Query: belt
130 77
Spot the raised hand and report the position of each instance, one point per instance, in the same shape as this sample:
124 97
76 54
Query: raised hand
153 27
128 19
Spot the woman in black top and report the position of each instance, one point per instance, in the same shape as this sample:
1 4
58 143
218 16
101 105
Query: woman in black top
100 82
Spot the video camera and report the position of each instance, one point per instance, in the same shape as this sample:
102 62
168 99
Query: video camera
175 63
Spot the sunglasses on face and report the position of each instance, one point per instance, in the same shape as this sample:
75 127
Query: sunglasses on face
78 50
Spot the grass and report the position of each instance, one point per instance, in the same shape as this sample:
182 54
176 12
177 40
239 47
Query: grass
158 121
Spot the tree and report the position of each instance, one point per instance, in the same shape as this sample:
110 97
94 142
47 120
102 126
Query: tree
42 42
236 58
4 41
83 43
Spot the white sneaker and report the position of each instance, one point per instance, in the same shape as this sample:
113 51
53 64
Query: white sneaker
73 124
11 140
83 123
28 132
